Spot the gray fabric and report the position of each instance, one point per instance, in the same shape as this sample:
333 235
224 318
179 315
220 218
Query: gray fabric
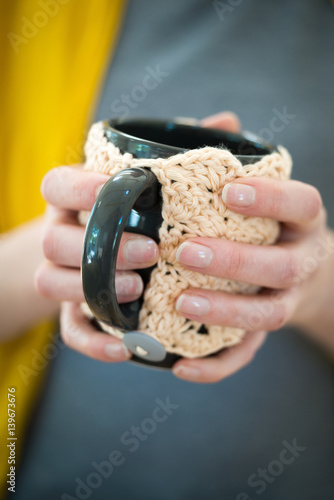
261 59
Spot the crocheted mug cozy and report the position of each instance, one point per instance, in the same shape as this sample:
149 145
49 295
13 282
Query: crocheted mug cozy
191 187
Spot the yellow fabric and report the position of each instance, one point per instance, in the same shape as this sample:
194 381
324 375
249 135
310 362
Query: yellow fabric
53 54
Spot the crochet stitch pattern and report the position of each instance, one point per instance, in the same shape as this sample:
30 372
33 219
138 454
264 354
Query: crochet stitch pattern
191 188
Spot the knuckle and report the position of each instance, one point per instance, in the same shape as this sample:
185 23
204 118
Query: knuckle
230 314
84 189
234 263
289 270
49 242
128 284
275 201
314 203
279 317
42 281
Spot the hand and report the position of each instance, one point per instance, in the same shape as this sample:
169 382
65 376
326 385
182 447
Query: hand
276 268
69 190
286 271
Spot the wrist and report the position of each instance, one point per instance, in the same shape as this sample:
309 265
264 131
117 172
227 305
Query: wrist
315 314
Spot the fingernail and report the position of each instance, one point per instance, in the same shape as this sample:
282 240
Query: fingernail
238 194
193 305
128 284
187 372
195 255
116 351
140 250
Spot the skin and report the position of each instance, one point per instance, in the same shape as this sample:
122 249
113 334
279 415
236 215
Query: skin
289 286
21 306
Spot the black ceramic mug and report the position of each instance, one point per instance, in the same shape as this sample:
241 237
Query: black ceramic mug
131 201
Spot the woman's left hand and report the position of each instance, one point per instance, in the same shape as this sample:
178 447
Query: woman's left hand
285 270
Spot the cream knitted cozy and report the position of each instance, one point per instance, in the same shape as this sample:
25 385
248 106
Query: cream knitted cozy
191 186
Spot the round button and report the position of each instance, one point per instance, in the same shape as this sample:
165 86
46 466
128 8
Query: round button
144 346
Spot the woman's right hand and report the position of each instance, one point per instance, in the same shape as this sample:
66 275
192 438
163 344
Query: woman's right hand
69 190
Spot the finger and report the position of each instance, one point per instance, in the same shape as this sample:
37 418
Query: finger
72 188
222 365
59 283
277 266
78 333
136 252
226 120
62 244
129 286
64 284
292 202
55 215
264 311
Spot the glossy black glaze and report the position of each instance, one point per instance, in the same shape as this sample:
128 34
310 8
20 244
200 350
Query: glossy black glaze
114 211
145 138
131 201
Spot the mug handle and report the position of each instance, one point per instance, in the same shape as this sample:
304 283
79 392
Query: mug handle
129 201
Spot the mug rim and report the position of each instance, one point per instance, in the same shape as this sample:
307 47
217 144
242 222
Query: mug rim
112 134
